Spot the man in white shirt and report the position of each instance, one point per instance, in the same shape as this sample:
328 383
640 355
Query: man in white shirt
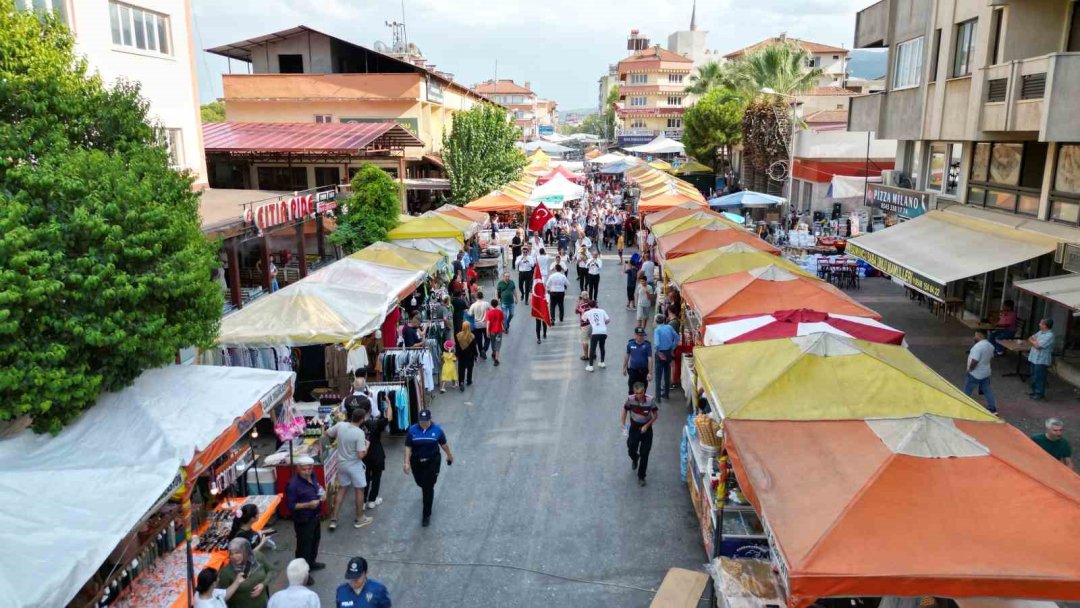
598 320
544 261
296 595
556 285
978 369
593 267
524 264
479 310
649 268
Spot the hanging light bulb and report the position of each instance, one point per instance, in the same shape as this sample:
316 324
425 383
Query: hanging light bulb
254 433
214 488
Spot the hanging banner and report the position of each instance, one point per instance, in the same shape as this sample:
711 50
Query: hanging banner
926 285
901 201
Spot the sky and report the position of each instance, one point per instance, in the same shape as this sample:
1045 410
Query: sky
562 47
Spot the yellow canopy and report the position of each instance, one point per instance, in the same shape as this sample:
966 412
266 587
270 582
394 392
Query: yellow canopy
661 165
432 226
826 377
405 218
468 227
593 153
736 257
539 158
693 167
672 213
690 221
389 254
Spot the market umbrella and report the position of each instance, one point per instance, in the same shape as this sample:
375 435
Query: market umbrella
707 237
737 257
746 198
469 214
802 322
823 376
674 213
764 290
428 227
389 254
688 222
495 200
912 507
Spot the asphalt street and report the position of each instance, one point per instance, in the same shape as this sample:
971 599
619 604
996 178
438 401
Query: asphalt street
541 507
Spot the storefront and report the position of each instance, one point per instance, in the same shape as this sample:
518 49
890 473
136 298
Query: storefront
891 205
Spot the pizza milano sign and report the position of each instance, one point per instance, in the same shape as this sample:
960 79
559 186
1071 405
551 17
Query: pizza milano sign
902 202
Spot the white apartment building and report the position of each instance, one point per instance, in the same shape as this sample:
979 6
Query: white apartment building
831 59
149 42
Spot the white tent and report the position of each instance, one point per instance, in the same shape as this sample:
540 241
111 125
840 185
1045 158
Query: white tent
558 186
661 145
586 138
546 146
444 246
607 159
555 138
576 166
67 501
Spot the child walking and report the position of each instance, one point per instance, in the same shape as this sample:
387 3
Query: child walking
449 367
619 245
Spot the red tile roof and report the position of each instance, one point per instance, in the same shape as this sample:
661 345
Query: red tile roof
309 138
827 116
829 91
813 47
502 86
654 53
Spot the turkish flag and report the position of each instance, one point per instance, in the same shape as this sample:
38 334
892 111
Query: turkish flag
539 298
539 219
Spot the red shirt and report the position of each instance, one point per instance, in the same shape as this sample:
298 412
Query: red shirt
470 275
495 321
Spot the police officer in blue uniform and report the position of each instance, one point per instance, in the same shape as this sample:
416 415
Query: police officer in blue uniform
359 591
422 443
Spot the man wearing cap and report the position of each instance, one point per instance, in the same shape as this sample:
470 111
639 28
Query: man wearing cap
304 497
422 443
359 591
643 413
637 364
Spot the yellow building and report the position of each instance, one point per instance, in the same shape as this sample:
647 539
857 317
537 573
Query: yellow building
303 76
652 85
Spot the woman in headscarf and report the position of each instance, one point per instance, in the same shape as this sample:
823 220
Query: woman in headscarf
254 591
465 348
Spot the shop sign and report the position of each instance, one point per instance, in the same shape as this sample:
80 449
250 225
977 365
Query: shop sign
412 125
901 201
547 130
280 212
926 285
326 201
434 90
1071 260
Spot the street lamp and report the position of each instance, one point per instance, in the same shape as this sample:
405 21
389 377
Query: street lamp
791 141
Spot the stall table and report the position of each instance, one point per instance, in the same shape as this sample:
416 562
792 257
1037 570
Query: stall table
1020 347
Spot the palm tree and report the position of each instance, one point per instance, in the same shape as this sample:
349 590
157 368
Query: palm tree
712 75
781 67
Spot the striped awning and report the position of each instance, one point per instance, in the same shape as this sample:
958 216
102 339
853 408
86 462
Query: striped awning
305 138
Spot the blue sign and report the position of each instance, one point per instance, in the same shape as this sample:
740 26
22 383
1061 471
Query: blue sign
547 130
635 140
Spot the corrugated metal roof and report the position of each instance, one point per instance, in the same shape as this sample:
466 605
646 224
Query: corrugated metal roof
310 138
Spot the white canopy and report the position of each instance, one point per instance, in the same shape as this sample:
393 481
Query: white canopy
67 501
607 159
558 186
546 146
556 138
586 138
661 145
445 246
1063 289
850 186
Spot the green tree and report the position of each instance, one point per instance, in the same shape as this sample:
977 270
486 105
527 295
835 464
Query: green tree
479 152
370 211
610 120
104 270
780 67
713 127
710 76
213 112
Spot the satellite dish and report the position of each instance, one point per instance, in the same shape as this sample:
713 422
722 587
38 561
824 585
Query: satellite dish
381 47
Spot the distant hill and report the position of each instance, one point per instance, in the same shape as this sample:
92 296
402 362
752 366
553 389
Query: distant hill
583 112
868 64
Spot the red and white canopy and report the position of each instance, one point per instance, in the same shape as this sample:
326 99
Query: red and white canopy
791 323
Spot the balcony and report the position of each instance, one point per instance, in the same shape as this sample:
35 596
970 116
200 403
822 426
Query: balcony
872 26
1033 95
864 112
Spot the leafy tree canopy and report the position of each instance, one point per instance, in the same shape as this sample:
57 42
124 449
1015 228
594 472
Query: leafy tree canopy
479 152
370 211
713 126
104 271
213 112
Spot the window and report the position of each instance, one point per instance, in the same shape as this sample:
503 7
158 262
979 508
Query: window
952 176
807 195
326 176
943 171
639 78
934 53
52 6
637 124
964 53
674 123
324 118
936 170
637 102
675 78
290 64
173 140
518 100
995 43
812 62
674 101
836 58
1008 177
283 178
1074 29
139 29
908 63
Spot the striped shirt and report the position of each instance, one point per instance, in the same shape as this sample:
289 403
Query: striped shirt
641 412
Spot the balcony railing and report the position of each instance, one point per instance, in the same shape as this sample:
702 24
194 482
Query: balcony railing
1033 95
872 26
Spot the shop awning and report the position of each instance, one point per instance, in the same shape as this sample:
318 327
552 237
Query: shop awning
468 226
427 183
823 376
495 200
702 218
429 227
1063 289
305 137
923 506
67 501
938 248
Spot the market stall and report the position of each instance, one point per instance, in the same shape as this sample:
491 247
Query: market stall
482 219
135 449
912 507
559 170
673 213
762 291
558 186
802 322
707 237
468 226
390 254
496 201
434 233
737 257
745 198
687 222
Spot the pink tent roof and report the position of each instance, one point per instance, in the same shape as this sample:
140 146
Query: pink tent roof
560 170
791 323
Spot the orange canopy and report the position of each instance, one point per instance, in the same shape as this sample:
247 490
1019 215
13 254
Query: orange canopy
560 170
686 242
924 506
466 214
765 290
495 200
676 212
666 201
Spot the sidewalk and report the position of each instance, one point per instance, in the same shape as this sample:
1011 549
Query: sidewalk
943 345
